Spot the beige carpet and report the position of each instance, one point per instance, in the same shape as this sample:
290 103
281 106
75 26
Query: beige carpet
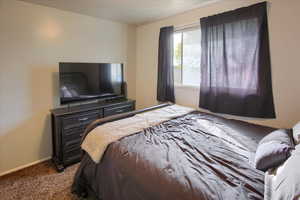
39 182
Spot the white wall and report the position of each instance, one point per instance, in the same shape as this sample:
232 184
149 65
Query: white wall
33 39
284 40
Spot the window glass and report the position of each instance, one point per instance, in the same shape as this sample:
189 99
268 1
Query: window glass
191 57
177 57
187 57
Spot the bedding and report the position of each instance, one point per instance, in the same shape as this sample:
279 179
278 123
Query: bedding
296 133
99 138
274 149
283 182
196 156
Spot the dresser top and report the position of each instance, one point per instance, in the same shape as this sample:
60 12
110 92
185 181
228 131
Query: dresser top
89 106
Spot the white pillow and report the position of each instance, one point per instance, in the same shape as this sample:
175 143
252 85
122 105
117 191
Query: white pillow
284 182
296 133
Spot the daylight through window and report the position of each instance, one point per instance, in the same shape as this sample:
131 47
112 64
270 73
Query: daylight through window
187 57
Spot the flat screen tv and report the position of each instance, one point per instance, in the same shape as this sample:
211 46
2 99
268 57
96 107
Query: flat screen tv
89 81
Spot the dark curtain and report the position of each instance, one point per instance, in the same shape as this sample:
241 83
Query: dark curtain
235 63
165 79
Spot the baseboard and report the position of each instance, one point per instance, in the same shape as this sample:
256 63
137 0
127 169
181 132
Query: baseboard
24 166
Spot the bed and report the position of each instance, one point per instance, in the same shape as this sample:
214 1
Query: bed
192 156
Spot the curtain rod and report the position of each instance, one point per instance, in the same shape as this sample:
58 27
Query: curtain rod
187 26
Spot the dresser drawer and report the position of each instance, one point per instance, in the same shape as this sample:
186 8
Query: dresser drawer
118 109
72 144
80 119
73 134
72 151
72 155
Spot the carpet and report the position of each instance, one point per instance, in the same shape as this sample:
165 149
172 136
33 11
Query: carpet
39 182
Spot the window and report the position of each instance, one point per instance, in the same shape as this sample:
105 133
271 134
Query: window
187 57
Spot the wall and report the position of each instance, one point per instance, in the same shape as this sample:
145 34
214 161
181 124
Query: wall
284 41
33 40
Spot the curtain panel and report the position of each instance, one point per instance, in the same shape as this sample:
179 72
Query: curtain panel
235 63
165 79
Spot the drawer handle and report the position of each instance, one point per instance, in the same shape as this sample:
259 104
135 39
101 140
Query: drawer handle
83 119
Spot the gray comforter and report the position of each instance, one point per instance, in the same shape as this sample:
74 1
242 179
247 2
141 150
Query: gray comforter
194 157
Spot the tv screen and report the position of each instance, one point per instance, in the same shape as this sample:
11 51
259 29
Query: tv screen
87 81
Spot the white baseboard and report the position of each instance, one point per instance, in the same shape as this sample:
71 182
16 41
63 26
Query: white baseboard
25 166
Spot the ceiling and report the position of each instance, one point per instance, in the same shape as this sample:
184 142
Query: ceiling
127 11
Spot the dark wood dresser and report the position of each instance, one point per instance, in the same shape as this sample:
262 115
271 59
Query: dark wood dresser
68 125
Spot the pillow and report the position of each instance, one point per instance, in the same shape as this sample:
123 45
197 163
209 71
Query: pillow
284 181
273 149
296 133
